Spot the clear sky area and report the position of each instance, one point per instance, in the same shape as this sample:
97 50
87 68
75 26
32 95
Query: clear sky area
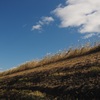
29 29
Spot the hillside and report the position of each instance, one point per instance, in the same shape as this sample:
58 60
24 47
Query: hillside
71 75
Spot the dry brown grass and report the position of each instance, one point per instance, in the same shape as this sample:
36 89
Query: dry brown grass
69 75
38 94
71 53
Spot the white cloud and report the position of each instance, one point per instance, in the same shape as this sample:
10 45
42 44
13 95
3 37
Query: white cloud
47 20
84 14
44 21
36 27
88 36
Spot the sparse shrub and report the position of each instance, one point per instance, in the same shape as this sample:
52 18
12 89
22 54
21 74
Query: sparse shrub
95 69
38 94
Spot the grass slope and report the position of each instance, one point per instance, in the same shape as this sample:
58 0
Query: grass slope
72 75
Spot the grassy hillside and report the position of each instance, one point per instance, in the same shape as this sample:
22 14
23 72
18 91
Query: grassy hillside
70 75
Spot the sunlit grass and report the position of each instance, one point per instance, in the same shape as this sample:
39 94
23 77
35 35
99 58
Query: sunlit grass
63 76
71 53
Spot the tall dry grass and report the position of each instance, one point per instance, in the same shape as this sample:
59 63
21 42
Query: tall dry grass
71 53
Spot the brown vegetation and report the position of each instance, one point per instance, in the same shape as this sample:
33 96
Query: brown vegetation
71 75
54 58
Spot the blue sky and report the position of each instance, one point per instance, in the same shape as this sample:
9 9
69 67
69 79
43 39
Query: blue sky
29 29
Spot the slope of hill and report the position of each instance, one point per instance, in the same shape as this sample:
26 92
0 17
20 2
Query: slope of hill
72 75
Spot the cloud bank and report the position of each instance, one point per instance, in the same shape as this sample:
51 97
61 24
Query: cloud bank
83 14
44 21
